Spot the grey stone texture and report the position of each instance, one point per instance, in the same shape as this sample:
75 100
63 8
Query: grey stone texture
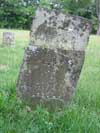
8 39
54 58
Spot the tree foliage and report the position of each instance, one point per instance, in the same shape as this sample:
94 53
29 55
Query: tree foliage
98 14
16 13
19 13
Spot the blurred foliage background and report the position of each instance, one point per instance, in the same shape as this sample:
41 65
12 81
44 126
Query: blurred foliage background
19 13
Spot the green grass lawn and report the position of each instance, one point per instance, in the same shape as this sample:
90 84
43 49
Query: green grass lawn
81 116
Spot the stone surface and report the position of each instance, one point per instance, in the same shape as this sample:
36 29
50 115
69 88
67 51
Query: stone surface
54 58
8 39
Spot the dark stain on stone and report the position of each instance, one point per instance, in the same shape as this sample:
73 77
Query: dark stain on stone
48 32
45 14
54 23
45 22
57 12
66 23
82 34
61 27
76 28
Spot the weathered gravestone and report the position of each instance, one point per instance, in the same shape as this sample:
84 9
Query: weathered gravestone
8 39
54 58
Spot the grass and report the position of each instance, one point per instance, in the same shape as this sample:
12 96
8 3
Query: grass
81 116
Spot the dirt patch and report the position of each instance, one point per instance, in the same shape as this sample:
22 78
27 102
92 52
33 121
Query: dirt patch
4 67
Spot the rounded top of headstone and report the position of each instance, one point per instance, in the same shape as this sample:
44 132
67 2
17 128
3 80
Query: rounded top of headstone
54 29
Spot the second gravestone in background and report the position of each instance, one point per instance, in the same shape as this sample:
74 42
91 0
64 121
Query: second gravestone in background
8 39
54 58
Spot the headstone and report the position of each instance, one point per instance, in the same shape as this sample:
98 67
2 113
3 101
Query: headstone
54 58
8 39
